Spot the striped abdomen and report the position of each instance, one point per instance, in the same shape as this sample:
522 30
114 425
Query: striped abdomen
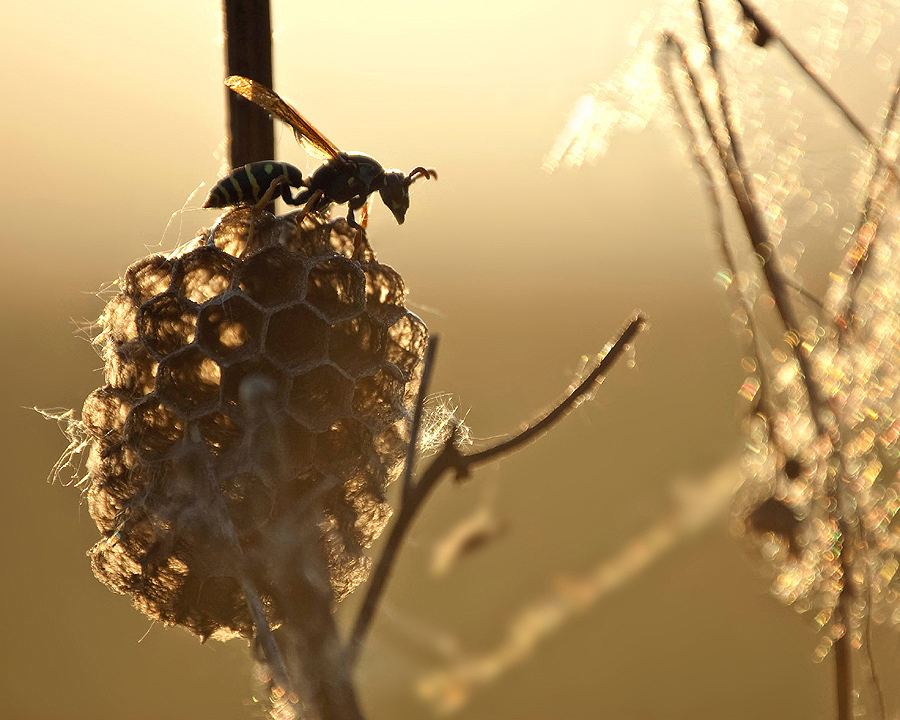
249 183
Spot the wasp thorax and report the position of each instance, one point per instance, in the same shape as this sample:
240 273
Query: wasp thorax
252 391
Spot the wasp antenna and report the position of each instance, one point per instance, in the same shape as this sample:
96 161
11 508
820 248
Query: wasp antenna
427 173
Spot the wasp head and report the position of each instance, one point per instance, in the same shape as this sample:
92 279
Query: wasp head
395 194
395 190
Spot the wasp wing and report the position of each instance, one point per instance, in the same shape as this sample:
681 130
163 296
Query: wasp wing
315 143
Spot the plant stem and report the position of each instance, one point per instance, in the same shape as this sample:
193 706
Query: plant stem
739 180
427 367
770 30
451 458
248 42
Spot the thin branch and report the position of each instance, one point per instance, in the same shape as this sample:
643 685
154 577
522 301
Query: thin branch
857 262
695 507
874 678
819 405
575 395
451 458
428 365
739 181
769 30
806 294
671 50
871 215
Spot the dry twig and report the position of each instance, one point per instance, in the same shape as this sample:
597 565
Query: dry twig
822 411
461 463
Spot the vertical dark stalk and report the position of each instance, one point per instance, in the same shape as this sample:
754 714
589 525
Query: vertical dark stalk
739 180
248 52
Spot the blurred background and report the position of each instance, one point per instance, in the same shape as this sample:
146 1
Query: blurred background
114 116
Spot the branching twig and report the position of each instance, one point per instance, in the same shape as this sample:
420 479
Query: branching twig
820 408
768 30
671 50
873 210
856 263
427 367
451 458
697 504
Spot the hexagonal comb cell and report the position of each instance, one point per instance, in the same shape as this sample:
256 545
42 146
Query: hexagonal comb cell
270 377
105 509
385 293
204 273
189 380
341 447
320 396
119 321
230 232
314 241
147 278
153 429
120 479
104 413
235 375
361 508
407 339
317 239
219 431
391 444
131 368
296 336
380 397
299 444
248 497
357 345
272 276
336 288
166 323
231 329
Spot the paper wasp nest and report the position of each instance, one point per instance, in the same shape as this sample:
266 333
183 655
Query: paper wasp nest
247 386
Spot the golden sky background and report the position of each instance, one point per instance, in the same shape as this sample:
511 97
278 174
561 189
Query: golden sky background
114 116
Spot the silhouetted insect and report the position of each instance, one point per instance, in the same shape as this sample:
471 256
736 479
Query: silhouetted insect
248 184
344 178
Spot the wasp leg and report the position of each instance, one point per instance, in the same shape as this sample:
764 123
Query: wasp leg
269 195
351 221
362 241
354 205
362 244
298 199
309 207
303 193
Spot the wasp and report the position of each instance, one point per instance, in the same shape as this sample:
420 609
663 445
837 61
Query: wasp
248 184
345 177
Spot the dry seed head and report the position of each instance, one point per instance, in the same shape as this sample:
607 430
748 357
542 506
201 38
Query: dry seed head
248 386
